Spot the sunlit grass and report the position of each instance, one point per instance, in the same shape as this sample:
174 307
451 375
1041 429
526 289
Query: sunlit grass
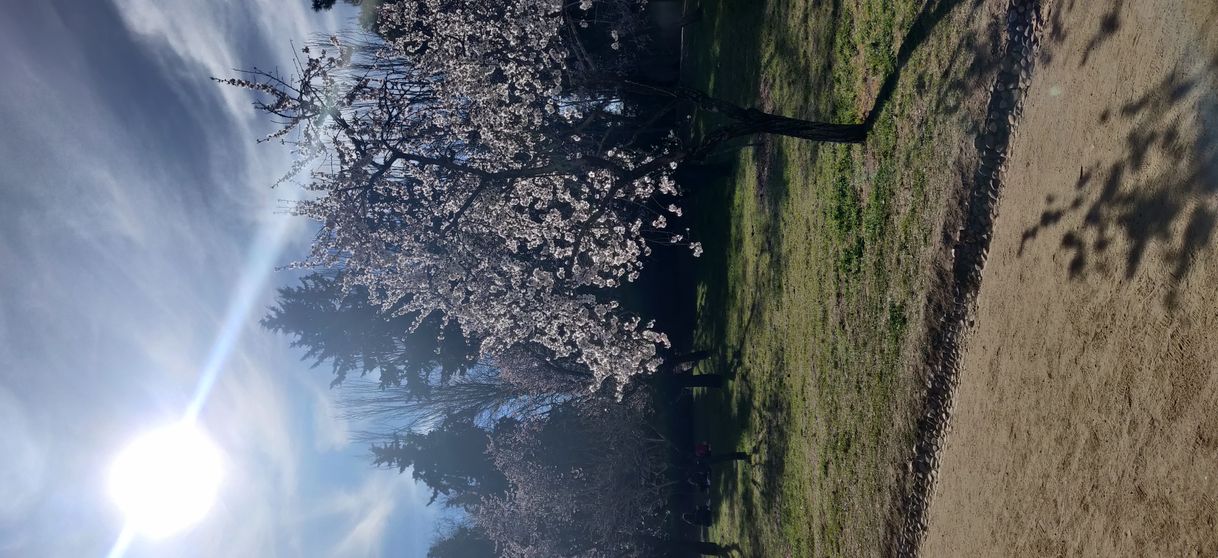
814 282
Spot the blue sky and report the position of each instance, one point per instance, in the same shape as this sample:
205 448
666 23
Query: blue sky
135 207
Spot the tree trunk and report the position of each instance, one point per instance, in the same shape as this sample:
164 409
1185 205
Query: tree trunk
734 456
748 121
686 362
693 356
701 380
758 122
691 547
704 548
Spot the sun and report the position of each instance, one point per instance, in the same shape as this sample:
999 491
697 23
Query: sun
167 479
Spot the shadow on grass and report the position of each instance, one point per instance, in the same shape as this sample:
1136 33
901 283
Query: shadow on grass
727 417
761 413
981 50
928 18
723 416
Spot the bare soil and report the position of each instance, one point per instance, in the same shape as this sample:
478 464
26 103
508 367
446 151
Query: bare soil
1086 417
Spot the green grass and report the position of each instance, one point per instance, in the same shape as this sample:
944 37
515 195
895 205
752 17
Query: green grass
813 286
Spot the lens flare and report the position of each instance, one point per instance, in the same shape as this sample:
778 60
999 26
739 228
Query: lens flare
167 479
138 502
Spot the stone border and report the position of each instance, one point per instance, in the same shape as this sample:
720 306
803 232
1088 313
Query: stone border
968 256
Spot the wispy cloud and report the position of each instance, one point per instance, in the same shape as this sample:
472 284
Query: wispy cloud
197 40
21 470
331 431
367 513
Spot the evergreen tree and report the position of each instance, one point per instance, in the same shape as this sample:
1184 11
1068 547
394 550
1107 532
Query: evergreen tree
344 329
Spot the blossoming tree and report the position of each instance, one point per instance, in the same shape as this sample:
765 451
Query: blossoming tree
490 163
589 481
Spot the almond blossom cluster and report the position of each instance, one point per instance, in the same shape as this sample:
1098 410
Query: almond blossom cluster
456 171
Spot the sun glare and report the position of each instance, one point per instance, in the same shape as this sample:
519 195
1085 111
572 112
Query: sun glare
166 480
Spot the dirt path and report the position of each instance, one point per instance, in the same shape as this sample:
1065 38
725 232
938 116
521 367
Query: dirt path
1086 417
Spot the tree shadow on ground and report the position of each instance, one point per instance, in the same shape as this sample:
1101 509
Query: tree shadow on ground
771 181
1162 189
982 51
1110 23
932 13
1057 33
726 428
762 412
745 419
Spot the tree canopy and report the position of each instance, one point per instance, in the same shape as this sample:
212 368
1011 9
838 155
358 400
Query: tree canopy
479 162
588 481
486 174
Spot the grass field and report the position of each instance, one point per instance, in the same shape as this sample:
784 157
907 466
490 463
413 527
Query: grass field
813 290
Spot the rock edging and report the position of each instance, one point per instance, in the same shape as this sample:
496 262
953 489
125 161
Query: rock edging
969 252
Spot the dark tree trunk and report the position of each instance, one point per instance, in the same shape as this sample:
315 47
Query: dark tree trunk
734 456
758 122
749 121
704 548
690 547
701 380
693 356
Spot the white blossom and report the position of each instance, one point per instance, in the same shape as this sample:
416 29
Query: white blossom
444 193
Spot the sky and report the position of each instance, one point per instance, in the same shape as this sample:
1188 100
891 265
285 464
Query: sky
139 241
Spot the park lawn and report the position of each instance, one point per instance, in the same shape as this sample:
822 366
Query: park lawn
813 288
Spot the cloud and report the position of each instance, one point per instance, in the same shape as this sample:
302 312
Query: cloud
331 431
368 512
365 537
211 35
252 405
22 469
218 39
